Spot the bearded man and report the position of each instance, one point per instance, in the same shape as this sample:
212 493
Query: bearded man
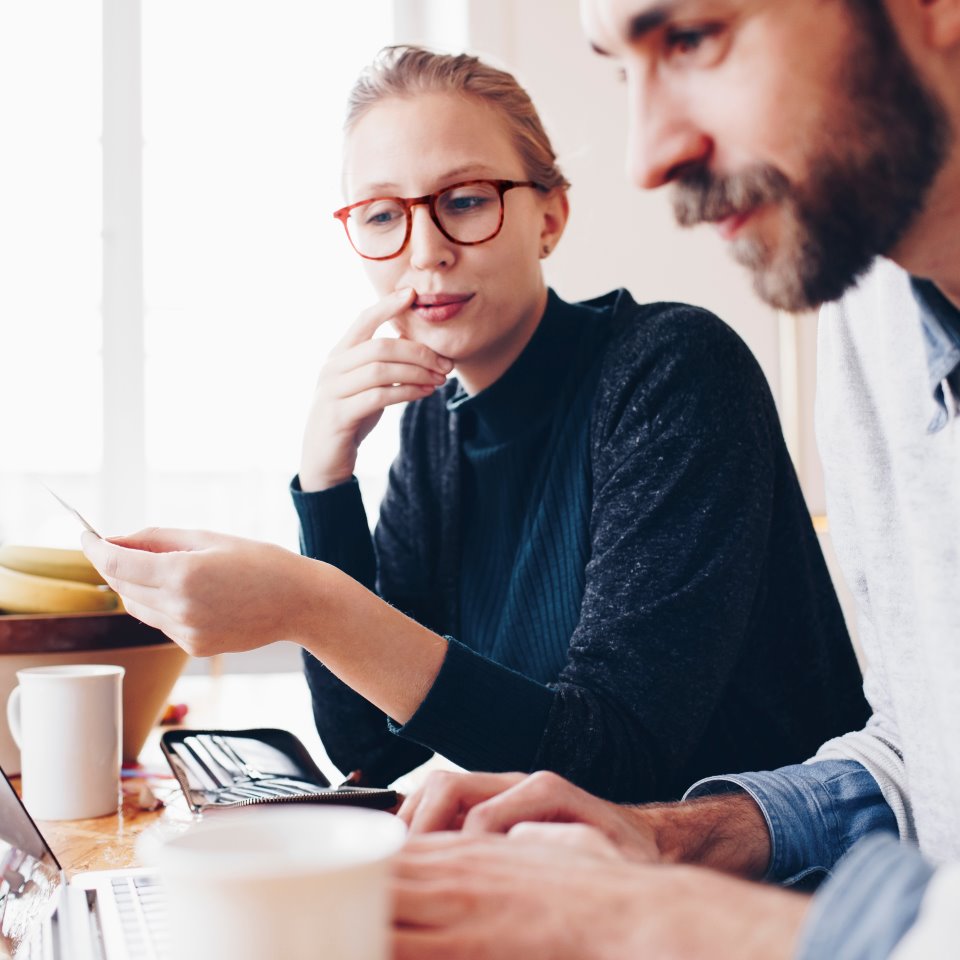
820 137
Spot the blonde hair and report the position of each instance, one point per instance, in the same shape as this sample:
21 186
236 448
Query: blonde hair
405 71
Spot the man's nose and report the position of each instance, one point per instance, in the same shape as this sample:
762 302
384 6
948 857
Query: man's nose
663 140
429 248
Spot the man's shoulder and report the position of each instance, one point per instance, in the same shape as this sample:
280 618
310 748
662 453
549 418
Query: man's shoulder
874 393
872 333
884 290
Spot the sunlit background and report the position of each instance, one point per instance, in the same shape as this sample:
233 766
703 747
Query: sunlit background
246 278
160 337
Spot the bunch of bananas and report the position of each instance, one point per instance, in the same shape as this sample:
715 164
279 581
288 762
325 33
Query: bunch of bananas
48 580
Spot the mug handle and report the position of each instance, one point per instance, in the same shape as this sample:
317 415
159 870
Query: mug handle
13 715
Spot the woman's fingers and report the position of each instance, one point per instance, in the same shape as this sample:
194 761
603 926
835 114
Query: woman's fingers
151 617
117 562
387 350
371 319
360 378
380 374
167 540
137 593
356 408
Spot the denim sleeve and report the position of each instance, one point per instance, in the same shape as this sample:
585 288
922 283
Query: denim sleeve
868 904
815 812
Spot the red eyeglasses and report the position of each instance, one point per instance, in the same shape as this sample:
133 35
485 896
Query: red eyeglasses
465 213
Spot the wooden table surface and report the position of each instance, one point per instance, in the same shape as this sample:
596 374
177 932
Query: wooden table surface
229 701
102 843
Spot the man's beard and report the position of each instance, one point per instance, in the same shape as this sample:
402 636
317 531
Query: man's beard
868 177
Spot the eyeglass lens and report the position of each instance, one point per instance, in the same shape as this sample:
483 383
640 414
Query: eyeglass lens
468 214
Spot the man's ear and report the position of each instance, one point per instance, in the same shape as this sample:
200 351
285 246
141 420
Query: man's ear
941 23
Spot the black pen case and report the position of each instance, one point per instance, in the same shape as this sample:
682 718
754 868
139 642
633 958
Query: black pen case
241 768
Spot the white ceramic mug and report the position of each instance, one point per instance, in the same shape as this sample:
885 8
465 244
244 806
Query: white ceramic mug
299 882
66 720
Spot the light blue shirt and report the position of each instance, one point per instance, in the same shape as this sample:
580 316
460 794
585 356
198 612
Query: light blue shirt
941 339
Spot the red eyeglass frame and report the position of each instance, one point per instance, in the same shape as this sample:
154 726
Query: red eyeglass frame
430 199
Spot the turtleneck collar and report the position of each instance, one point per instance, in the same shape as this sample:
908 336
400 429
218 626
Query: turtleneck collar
526 392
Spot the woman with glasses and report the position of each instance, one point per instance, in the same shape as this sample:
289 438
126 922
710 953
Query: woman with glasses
593 555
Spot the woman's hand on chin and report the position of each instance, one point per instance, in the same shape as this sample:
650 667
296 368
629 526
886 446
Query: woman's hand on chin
210 592
362 376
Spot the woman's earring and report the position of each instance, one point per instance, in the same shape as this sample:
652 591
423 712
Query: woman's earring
545 250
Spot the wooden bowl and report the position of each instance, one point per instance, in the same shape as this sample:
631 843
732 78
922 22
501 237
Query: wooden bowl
152 664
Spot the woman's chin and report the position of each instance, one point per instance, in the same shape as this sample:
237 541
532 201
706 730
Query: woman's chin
444 342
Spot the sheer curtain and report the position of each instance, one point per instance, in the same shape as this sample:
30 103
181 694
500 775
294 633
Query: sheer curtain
50 262
247 281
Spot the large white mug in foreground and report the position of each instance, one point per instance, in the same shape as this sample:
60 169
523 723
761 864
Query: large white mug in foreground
66 720
298 882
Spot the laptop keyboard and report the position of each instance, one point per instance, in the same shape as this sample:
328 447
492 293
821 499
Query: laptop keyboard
143 924
40 944
143 916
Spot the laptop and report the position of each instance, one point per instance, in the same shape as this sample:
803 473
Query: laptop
102 915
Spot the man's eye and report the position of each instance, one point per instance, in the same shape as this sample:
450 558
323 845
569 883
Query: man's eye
690 42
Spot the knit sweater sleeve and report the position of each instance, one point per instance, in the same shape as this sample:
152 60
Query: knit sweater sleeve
683 460
396 564
684 482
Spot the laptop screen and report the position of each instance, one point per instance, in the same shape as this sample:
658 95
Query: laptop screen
29 872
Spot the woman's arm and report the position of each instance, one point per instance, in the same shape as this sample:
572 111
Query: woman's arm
333 528
213 593
409 565
361 376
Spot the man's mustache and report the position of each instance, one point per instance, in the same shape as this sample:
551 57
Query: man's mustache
700 196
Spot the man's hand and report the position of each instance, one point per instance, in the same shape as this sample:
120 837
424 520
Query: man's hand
489 897
495 802
727 832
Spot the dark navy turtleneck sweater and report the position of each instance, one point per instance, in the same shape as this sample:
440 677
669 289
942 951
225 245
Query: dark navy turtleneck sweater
614 541
513 444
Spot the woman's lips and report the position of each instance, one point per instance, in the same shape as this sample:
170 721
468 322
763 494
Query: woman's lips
440 307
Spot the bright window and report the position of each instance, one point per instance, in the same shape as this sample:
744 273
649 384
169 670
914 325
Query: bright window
247 280
50 260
